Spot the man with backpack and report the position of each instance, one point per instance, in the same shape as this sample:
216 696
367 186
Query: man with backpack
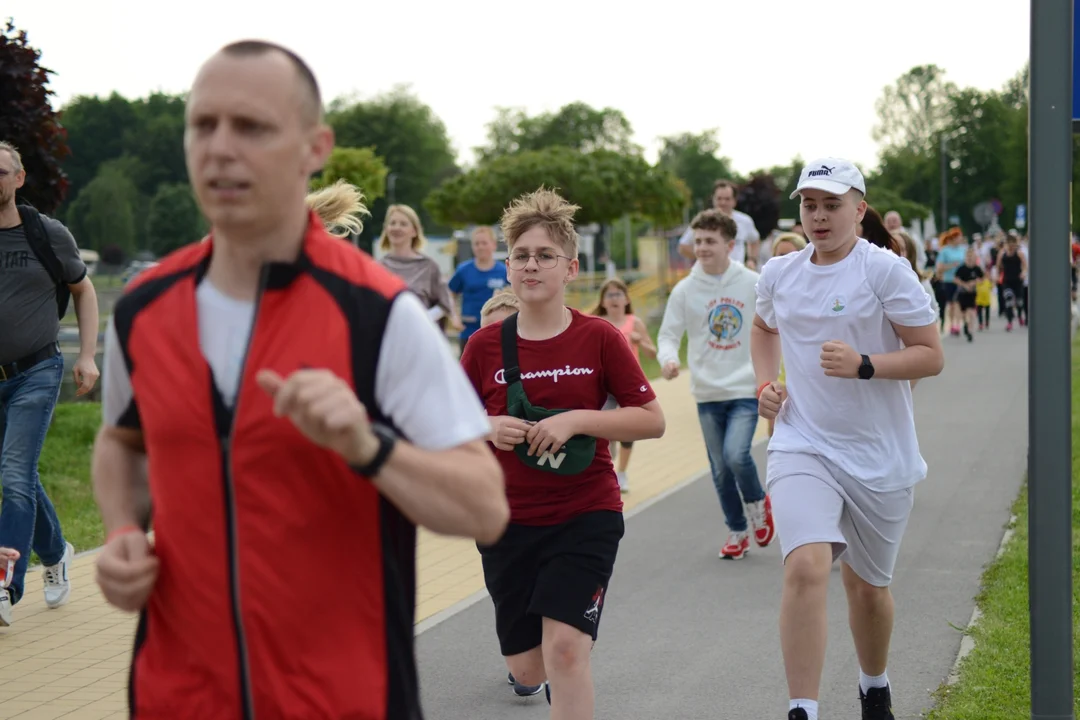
40 271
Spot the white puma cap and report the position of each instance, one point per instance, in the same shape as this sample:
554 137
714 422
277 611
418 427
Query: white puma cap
832 175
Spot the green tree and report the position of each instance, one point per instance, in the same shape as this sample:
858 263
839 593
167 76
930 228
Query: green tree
606 184
577 126
157 139
358 166
693 158
174 219
905 175
103 215
883 200
96 128
28 121
977 133
913 111
408 136
759 197
145 136
786 178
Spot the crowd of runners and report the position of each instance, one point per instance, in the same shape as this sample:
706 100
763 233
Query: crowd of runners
263 414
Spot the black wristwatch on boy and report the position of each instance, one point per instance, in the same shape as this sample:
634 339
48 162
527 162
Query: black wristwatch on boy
387 439
866 370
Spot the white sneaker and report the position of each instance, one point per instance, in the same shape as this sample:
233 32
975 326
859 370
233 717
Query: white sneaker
624 482
58 581
5 608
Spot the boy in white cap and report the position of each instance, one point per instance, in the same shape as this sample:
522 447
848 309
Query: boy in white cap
855 327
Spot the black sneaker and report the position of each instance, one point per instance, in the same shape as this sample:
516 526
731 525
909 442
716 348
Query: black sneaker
523 690
547 691
797 714
876 704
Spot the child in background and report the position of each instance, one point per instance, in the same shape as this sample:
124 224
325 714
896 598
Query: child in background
984 288
614 306
502 305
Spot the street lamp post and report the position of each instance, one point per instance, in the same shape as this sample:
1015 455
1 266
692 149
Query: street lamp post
1049 362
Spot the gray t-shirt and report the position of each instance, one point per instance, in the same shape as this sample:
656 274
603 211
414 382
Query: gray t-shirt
423 277
28 320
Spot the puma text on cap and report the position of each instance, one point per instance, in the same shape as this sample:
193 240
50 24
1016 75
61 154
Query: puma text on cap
832 175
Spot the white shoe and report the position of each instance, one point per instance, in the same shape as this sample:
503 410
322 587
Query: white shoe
58 580
5 608
624 482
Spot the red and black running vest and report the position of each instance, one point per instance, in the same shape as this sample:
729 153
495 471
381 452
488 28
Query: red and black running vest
287 582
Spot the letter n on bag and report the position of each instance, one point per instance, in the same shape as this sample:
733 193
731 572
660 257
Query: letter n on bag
551 460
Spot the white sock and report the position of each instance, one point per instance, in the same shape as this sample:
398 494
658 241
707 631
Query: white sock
810 706
869 681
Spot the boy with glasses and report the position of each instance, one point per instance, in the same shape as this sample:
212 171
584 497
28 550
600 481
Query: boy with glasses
548 575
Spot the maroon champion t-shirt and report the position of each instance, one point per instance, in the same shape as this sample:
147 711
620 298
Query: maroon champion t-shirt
575 370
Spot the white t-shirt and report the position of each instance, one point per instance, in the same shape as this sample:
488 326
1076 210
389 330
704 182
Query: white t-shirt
418 383
747 234
866 427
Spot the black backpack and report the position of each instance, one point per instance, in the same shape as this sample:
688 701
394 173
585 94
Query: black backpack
39 243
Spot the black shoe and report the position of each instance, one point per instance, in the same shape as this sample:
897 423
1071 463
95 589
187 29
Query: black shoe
876 704
523 690
547 691
797 714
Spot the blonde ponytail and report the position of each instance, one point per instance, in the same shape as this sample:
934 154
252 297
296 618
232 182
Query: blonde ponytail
339 206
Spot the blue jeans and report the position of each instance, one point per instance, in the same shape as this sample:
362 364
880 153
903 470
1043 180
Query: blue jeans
27 517
728 427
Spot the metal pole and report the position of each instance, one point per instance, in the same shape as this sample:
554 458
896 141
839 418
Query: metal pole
1049 391
944 185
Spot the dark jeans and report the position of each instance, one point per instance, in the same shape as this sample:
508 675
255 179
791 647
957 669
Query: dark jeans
27 517
728 427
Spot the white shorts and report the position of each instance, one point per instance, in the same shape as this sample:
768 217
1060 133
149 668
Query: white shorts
814 501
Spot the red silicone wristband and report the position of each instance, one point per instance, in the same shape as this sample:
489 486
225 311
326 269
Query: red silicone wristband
761 388
123 530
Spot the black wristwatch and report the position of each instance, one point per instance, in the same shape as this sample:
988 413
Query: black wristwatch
387 439
866 370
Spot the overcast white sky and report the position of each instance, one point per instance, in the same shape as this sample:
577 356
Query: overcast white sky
778 77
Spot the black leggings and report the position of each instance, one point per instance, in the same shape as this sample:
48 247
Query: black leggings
1019 301
984 315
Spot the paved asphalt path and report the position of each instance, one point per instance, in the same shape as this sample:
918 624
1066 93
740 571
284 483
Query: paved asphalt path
686 635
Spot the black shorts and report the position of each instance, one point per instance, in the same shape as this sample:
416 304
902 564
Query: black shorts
554 571
966 300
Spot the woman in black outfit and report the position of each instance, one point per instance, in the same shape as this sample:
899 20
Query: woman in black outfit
1012 269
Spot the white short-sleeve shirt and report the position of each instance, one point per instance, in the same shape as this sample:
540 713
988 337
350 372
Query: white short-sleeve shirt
866 427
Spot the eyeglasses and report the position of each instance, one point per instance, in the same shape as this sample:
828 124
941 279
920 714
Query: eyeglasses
545 260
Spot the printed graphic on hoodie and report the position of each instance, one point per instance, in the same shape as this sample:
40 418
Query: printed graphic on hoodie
725 323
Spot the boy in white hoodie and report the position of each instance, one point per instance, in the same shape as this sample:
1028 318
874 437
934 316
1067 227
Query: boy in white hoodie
715 305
